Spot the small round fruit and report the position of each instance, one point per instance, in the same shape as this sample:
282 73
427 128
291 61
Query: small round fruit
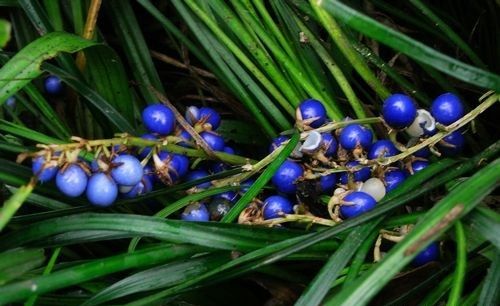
11 102
101 190
218 208
196 212
355 135
276 206
214 141
286 175
357 203
228 195
128 171
382 148
158 118
399 111
425 152
447 108
72 181
309 109
419 165
53 85
358 176
393 179
430 253
327 182
452 144
374 187
423 125
196 175
329 144
277 142
210 116
47 173
143 187
146 150
312 143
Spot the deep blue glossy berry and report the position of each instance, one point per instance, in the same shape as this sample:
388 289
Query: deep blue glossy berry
447 108
72 181
382 148
149 171
311 108
286 175
158 118
214 141
196 175
452 144
143 187
329 144
46 174
53 85
146 150
327 182
209 115
228 150
419 165
186 138
11 102
393 179
275 206
423 153
196 212
358 176
399 111
128 170
358 203
246 185
277 142
180 163
430 253
231 196
355 135
101 190
218 208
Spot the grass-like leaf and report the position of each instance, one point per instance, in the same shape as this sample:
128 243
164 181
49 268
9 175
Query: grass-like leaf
16 262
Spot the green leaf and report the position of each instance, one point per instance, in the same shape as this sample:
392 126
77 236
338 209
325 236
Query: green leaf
490 294
487 223
411 47
25 65
4 32
16 262
11 206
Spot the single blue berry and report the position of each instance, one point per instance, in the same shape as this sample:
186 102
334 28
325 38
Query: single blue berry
231 196
355 135
218 208
72 180
196 175
210 116
285 177
196 212
276 206
356 203
425 152
399 111
158 118
229 150
277 142
127 171
327 182
430 253
382 148
329 144
419 165
312 110
47 173
143 152
179 163
53 85
358 176
143 187
452 144
393 179
447 108
101 190
185 138
214 141
11 102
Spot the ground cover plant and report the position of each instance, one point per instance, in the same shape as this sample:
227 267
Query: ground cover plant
249 152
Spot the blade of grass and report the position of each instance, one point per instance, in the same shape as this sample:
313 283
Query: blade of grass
5 29
11 206
490 293
486 222
16 262
41 201
54 14
359 259
31 301
460 267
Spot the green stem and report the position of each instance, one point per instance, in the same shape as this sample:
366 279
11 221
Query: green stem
461 266
31 301
11 206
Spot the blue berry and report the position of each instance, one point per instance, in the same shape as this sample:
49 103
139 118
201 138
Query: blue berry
183 134
399 111
128 171
179 163
209 115
393 179
143 187
286 175
423 153
447 108
218 208
358 176
47 173
149 171
214 141
382 148
246 185
196 212
419 165
355 135
452 144
146 150
228 150
311 108
327 182
430 253
53 85
158 118
196 175
357 203
72 181
11 102
277 142
228 195
275 206
329 144
101 190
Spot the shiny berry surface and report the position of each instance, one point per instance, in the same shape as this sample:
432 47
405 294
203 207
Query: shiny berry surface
218 208
355 135
128 170
53 85
360 175
452 144
286 175
196 212
231 196
329 144
196 175
311 108
423 125
47 173
143 187
277 142
158 118
447 108
276 206
399 111
393 179
11 102
419 165
214 141
382 148
327 182
357 203
72 181
179 166
210 116
423 153
429 254
101 190
143 152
